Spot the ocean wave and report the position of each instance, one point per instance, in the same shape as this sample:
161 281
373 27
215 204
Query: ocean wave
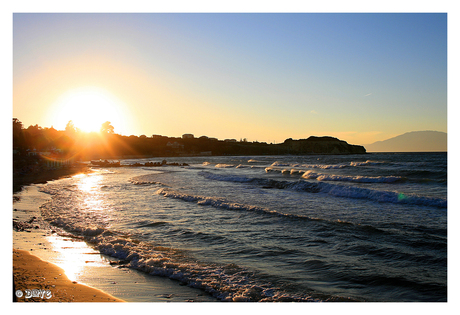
278 163
410 176
298 165
284 171
271 169
244 166
144 181
329 166
221 165
150 224
337 190
382 196
356 179
332 177
227 283
366 163
326 224
225 178
83 225
210 201
325 166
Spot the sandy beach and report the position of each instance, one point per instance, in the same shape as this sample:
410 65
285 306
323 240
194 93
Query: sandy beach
36 280
82 274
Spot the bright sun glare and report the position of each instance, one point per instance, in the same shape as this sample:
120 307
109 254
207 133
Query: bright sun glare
88 108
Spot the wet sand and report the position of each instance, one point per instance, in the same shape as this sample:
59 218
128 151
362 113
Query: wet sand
83 264
19 181
49 282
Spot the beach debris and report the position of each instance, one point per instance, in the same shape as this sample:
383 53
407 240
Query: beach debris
119 262
22 226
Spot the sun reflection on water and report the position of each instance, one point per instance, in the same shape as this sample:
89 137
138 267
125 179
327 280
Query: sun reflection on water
72 255
90 183
91 208
93 200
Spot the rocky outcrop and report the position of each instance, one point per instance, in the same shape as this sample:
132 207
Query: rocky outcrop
322 145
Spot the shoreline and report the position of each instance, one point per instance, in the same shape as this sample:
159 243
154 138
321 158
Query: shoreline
80 262
32 273
42 177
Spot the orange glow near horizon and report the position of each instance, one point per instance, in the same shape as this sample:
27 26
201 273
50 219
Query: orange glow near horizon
88 108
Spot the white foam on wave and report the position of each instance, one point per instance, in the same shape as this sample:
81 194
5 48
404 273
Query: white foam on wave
284 171
85 224
244 166
225 282
327 166
310 175
278 163
367 163
221 165
209 201
356 179
324 166
331 177
338 190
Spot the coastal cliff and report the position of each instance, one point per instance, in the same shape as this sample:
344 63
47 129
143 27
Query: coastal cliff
322 145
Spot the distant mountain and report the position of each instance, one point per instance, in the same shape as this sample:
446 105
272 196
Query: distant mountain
415 141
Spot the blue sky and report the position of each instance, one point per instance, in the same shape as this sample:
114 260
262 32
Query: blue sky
265 77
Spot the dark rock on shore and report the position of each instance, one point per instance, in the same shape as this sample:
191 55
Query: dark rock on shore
23 226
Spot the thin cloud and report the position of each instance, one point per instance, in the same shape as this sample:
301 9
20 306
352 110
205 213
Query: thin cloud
368 94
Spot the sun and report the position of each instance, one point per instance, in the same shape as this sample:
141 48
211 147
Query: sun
88 108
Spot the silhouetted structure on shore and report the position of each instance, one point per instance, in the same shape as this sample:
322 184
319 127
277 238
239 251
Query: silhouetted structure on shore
70 145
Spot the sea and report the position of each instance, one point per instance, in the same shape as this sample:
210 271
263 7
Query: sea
370 227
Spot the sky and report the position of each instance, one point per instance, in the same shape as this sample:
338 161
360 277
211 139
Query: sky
360 77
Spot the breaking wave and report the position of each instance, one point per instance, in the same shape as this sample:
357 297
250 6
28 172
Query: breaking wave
356 179
336 190
225 282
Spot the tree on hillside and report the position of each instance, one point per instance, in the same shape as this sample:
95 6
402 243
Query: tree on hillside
18 134
107 128
70 129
